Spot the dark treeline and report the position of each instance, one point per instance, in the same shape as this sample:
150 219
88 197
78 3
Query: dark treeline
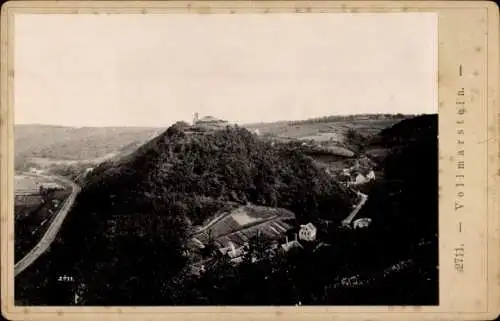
326 119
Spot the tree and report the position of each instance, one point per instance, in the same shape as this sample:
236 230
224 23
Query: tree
210 248
258 247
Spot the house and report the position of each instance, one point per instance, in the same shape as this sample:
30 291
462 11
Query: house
360 179
371 175
307 232
208 120
290 244
232 251
362 223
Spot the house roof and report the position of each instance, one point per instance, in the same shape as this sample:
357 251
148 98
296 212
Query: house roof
291 244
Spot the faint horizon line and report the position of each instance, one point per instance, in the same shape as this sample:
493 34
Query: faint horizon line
230 121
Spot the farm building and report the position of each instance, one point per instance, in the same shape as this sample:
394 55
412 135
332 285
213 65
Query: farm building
362 177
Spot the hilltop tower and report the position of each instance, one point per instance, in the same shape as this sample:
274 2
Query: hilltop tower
195 118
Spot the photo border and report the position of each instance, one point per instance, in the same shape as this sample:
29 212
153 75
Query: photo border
480 55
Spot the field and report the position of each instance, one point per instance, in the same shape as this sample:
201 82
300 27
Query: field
33 211
327 129
33 220
42 145
326 138
240 225
24 184
27 184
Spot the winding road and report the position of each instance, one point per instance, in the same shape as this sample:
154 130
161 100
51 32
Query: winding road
353 214
358 207
54 227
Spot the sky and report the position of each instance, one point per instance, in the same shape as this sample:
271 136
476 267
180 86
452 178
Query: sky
155 69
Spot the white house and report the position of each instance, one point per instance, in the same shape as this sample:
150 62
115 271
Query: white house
307 232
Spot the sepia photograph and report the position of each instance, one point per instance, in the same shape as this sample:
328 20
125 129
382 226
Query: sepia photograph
264 159
258 160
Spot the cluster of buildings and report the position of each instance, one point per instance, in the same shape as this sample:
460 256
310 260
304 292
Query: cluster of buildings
352 176
210 123
306 235
206 124
232 233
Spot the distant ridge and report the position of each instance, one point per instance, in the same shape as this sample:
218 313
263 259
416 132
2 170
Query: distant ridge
72 143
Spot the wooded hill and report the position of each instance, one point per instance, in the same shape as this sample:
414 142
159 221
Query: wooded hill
166 188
